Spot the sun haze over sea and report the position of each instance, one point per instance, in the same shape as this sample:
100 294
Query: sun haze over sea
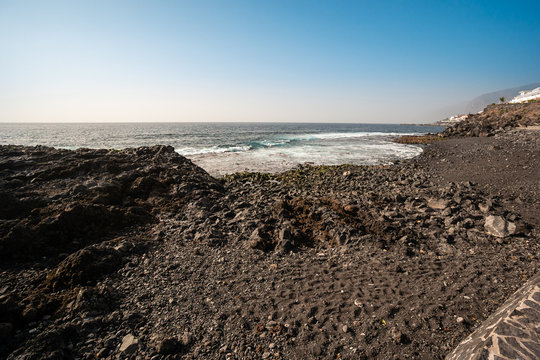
251 61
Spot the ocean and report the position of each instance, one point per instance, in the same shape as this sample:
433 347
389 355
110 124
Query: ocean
222 148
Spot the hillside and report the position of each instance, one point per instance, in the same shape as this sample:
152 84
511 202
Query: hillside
496 118
479 103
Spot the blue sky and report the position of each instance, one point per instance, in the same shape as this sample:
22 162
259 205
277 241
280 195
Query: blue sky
306 61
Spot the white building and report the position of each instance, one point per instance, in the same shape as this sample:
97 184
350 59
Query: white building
525 96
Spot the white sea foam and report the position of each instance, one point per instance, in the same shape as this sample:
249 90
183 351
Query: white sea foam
270 143
328 136
275 159
211 150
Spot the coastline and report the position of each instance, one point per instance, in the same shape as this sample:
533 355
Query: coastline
316 262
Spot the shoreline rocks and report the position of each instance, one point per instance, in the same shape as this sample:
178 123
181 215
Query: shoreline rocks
140 253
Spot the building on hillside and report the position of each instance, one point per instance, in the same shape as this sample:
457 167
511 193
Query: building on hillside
525 96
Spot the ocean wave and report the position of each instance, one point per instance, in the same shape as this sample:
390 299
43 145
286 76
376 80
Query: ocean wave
213 150
329 136
271 143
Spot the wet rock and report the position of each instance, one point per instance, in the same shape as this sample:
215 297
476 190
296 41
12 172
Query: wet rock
498 226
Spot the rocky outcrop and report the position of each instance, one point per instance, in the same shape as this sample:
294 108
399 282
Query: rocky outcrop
510 333
70 218
496 118
58 201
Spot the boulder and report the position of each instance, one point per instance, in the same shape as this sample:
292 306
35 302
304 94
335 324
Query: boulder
511 332
498 226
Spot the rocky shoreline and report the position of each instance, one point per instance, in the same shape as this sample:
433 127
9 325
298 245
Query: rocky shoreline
141 254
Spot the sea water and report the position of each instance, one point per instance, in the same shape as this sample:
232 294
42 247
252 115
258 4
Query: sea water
222 148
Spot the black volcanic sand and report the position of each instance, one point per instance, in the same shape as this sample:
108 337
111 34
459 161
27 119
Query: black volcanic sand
343 262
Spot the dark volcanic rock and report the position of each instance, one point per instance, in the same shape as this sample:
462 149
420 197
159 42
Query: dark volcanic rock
83 266
140 254
58 200
496 118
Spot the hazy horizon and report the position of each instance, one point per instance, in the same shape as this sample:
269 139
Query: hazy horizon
282 61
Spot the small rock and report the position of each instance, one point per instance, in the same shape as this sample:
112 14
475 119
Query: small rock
437 204
266 355
186 338
167 345
497 226
459 320
284 240
129 344
396 335
102 353
484 207
256 240
345 328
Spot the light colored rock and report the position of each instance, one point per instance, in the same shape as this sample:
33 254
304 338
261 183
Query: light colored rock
437 204
186 338
511 332
397 336
497 226
129 344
